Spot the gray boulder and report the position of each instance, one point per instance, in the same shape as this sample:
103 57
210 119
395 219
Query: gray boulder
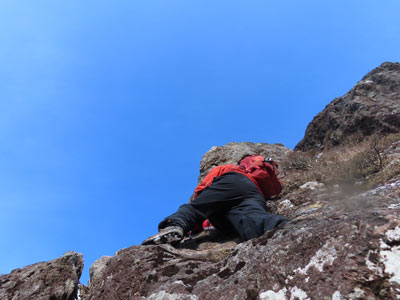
53 280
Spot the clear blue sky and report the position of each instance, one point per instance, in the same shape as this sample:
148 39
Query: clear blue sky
106 107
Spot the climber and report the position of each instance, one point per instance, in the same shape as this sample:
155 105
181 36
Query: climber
232 198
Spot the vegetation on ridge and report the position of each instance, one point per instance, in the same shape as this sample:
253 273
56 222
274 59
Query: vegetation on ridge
365 164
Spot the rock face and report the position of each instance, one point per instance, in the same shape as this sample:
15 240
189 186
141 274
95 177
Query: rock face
341 244
157 271
371 106
343 241
329 255
53 280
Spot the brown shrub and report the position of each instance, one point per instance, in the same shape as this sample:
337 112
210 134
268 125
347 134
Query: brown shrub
363 163
297 160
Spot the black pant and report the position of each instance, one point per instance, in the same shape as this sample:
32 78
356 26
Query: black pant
232 203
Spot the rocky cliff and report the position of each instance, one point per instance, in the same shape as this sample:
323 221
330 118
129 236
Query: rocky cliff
55 279
343 241
370 107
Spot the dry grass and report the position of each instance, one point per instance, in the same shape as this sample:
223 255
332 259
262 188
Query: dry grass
364 164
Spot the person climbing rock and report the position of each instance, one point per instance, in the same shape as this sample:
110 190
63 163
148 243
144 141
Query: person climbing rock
232 198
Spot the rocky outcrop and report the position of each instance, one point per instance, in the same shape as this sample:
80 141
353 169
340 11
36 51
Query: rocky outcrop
329 255
343 241
53 280
371 106
341 244
158 271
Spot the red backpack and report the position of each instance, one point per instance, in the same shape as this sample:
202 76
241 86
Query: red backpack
264 173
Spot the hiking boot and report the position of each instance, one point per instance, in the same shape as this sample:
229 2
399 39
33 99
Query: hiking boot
168 235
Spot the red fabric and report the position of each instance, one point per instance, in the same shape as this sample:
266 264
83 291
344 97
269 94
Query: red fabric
264 174
261 173
216 172
207 225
